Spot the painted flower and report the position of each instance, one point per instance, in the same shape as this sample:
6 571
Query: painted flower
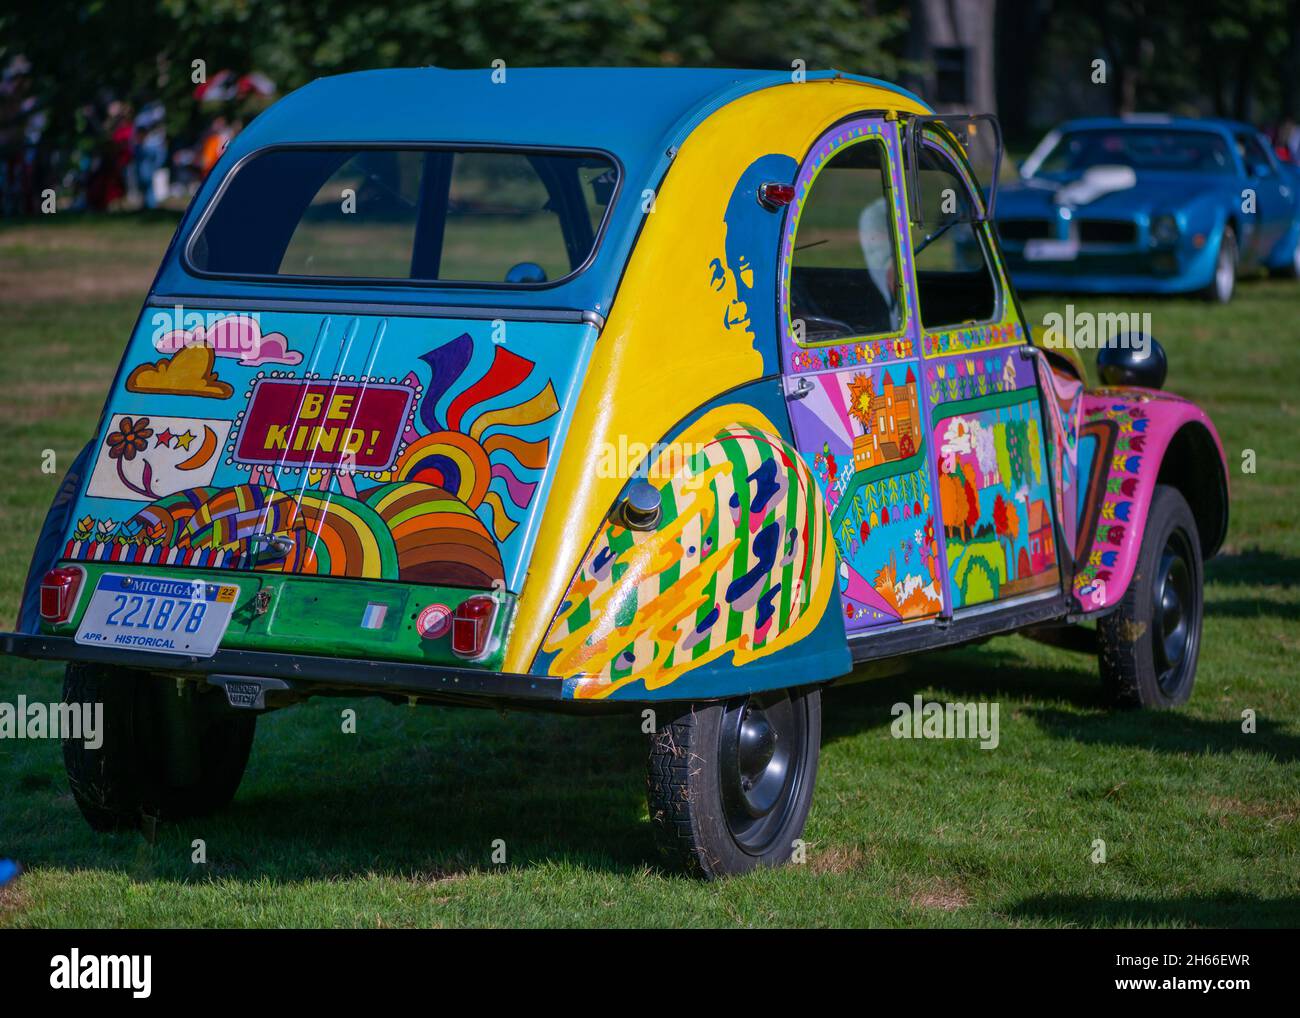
132 438
106 527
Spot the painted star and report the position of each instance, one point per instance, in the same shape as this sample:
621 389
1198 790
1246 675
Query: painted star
183 441
163 439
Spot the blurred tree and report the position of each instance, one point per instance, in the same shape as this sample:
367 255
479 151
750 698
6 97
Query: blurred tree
85 51
1236 60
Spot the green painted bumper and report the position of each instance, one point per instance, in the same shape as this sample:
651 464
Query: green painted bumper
321 615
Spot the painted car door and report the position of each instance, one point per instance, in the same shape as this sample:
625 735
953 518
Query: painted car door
988 455
853 374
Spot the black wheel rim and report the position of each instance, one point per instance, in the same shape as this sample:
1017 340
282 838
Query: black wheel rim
764 754
1175 615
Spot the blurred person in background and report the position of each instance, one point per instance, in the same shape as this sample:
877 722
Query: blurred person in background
1286 140
213 144
150 159
107 184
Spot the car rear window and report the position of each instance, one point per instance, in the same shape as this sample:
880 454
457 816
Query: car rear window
496 217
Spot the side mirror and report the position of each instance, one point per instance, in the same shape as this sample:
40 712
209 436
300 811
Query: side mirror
1260 170
639 508
526 272
1133 359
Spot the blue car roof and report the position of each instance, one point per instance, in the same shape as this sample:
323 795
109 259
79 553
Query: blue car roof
1139 120
638 114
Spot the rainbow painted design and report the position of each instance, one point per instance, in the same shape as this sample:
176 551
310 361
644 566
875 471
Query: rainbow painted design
455 461
741 563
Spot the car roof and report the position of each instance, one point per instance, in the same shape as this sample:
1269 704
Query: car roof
1160 120
639 114
626 109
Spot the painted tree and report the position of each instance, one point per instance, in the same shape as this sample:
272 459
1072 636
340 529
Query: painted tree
1034 449
953 503
972 507
1006 524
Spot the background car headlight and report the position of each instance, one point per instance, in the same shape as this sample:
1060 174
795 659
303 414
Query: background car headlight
1164 230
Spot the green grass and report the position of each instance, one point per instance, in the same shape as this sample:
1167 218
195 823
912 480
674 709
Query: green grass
394 826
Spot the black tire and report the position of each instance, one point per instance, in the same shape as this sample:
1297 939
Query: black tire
1223 284
706 818
1291 270
1149 644
162 754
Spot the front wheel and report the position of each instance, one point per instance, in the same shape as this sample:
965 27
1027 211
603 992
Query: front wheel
730 784
1149 644
1224 281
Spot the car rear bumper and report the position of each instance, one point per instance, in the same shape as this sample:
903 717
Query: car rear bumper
310 674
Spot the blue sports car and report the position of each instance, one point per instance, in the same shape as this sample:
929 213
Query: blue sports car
1150 204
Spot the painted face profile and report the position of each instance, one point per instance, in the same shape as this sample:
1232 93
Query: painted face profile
735 283
751 237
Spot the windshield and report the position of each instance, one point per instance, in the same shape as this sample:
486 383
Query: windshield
1139 148
514 218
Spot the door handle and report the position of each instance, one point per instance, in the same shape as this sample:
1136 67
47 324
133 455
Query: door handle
802 387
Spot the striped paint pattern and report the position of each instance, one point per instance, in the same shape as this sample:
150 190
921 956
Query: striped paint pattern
741 556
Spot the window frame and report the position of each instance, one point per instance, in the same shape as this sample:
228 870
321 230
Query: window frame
598 233
981 227
892 192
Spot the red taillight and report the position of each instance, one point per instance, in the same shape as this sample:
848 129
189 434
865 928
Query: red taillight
774 196
471 625
59 591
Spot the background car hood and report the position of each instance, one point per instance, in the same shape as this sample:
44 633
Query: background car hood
1152 192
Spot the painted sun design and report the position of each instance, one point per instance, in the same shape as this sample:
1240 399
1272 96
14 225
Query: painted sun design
861 392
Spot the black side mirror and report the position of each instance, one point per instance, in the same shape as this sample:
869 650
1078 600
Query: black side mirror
1133 359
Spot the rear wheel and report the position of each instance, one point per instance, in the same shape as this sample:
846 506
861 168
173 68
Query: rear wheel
1224 281
1292 269
1149 644
730 784
162 753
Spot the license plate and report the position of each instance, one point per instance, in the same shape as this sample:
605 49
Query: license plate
164 616
1051 250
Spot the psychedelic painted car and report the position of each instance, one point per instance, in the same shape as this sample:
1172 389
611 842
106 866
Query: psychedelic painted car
1150 204
685 393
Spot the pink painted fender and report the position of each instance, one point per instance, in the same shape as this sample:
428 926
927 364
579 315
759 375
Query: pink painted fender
1143 438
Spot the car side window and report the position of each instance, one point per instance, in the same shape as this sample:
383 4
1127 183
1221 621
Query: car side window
954 279
1254 156
844 279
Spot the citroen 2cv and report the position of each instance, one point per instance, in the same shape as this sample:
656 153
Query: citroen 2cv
677 392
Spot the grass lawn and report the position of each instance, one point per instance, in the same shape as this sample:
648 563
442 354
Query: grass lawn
394 826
